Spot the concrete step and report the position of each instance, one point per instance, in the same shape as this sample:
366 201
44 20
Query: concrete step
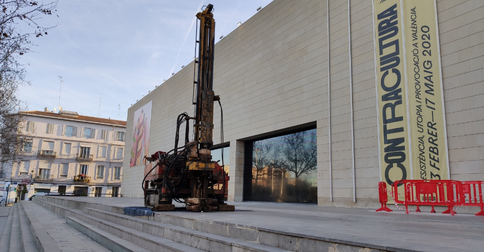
43 241
16 235
104 238
144 240
272 238
141 239
61 234
28 240
7 230
72 204
201 240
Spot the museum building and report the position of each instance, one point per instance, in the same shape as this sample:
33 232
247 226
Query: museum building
324 99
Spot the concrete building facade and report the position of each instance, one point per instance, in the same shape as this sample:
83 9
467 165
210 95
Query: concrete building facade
311 65
67 153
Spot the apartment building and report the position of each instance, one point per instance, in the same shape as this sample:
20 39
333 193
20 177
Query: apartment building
67 153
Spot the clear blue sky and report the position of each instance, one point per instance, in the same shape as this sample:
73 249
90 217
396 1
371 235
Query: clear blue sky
117 50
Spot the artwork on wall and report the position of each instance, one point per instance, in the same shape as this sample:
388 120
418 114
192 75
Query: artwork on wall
141 135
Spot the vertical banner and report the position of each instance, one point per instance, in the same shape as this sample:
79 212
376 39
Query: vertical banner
391 91
425 90
412 137
141 135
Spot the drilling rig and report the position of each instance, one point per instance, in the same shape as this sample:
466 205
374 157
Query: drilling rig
187 173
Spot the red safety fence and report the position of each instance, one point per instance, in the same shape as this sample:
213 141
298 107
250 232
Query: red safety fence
428 192
448 193
472 194
382 191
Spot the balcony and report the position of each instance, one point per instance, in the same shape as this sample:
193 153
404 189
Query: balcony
47 153
84 157
43 179
82 179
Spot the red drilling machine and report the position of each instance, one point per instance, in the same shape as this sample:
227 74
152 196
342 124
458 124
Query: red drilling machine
187 173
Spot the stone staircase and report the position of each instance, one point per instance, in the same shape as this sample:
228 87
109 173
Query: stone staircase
23 233
118 232
98 224
110 229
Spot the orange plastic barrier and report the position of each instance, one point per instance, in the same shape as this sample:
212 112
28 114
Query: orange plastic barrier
448 193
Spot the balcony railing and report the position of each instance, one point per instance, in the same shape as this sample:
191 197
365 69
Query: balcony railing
45 179
84 157
82 178
47 153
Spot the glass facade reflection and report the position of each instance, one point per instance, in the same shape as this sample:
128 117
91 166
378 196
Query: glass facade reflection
222 159
284 169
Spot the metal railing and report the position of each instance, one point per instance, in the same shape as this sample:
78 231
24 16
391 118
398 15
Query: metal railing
82 178
47 153
43 179
91 194
84 157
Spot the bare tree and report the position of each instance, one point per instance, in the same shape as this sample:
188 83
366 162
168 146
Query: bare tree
19 22
300 153
262 157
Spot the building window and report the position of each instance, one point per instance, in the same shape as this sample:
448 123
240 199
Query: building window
64 169
80 191
85 152
222 156
70 131
30 126
44 174
50 128
67 148
102 152
119 153
117 172
44 171
62 190
47 148
88 133
119 136
115 192
100 171
98 192
27 146
24 167
104 134
83 169
282 169
2 168
6 150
